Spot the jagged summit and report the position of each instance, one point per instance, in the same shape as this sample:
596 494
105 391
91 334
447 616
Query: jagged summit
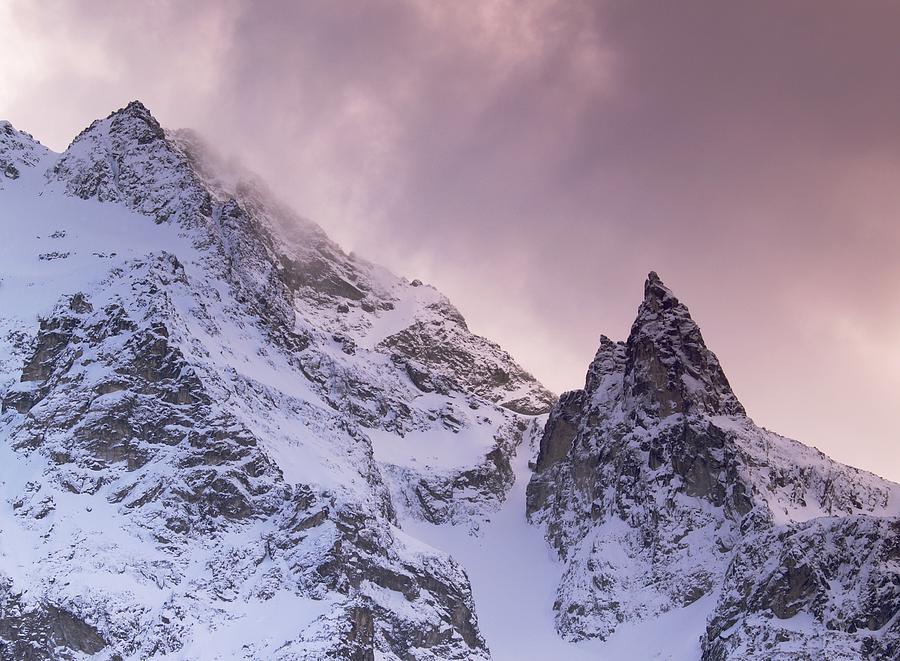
669 369
135 107
127 120
665 367
174 177
139 111
655 289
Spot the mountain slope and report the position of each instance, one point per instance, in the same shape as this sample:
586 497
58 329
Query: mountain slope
211 417
657 491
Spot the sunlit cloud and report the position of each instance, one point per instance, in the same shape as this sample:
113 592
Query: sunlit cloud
535 159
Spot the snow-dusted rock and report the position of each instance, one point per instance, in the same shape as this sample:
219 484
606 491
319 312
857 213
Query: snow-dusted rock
205 436
18 151
656 490
824 588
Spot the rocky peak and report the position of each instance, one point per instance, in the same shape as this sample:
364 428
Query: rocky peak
18 150
656 291
127 157
154 379
139 121
134 108
134 121
669 369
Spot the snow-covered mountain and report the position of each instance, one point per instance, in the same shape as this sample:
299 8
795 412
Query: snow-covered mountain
659 492
213 417
224 438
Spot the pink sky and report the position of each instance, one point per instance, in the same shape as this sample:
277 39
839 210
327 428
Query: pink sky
535 159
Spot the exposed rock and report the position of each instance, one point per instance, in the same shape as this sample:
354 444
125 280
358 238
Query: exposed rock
656 489
42 632
468 362
839 572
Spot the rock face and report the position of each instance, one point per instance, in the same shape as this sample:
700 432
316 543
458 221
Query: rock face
211 416
657 491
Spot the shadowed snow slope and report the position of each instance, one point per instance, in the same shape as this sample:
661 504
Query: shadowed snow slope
515 576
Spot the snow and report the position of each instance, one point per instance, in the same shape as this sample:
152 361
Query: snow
433 448
817 485
410 305
86 239
16 552
260 626
79 522
440 447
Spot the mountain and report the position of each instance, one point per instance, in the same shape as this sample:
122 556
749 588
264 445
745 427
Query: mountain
658 492
222 437
213 418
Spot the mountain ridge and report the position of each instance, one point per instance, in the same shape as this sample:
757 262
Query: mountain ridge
214 394
653 484
212 416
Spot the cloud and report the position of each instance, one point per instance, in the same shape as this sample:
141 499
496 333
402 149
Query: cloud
535 159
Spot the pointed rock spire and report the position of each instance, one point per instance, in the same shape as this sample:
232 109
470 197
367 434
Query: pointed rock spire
133 123
656 294
668 367
135 108
607 364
